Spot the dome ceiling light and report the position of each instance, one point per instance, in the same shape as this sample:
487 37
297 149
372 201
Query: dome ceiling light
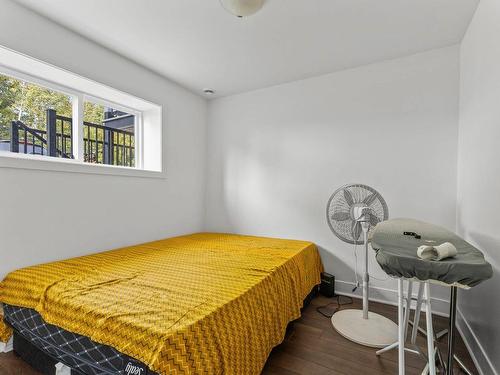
242 8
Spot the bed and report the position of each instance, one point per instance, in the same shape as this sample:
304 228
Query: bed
204 303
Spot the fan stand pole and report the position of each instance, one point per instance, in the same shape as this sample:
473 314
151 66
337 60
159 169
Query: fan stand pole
366 277
362 326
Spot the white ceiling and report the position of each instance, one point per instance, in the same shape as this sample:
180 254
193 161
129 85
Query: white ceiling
199 45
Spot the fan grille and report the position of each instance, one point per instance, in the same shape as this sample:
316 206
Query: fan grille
339 211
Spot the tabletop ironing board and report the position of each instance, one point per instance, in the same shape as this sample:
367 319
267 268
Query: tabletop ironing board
396 241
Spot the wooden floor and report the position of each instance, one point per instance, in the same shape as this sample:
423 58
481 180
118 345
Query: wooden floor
312 347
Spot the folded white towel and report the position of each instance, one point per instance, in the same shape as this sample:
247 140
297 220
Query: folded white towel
445 250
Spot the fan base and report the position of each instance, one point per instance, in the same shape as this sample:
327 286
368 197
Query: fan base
377 331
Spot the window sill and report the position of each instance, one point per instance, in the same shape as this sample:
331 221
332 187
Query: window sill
45 163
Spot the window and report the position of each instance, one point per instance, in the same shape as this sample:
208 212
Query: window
25 110
108 135
58 116
37 120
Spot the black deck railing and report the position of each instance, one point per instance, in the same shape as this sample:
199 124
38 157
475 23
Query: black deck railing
28 140
105 145
101 144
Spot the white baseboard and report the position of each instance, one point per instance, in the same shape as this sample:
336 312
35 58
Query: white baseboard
7 347
476 350
389 296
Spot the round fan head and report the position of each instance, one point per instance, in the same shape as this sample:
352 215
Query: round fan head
345 205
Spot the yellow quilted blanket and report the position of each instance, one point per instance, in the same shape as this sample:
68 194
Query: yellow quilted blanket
204 303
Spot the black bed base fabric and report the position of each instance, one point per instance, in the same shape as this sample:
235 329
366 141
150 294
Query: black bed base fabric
33 356
42 345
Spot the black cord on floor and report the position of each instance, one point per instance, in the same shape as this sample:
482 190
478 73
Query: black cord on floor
338 302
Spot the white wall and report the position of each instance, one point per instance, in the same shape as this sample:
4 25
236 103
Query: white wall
479 177
52 215
276 155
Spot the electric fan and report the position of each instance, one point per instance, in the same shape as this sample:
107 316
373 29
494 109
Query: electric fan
351 211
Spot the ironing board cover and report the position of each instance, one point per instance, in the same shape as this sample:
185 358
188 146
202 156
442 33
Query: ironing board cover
397 254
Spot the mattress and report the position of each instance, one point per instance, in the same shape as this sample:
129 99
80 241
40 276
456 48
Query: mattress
203 303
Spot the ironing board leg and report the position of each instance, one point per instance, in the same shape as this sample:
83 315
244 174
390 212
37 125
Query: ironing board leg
409 293
430 333
407 311
394 345
401 329
462 365
451 330
416 316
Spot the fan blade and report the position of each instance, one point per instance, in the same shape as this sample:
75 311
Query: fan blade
369 199
374 220
348 197
356 230
341 216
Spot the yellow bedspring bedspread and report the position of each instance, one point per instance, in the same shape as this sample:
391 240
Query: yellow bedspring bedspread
204 303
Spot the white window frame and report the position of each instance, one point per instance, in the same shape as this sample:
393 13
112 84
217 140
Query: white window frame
138 125
31 70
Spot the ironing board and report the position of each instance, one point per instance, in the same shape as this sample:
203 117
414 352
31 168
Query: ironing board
396 241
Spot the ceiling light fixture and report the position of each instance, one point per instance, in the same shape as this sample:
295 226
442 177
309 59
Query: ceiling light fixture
209 91
242 8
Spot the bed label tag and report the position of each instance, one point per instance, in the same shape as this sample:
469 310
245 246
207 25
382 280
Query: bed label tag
135 368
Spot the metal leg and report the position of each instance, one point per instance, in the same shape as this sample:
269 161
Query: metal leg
462 366
366 276
394 346
451 330
387 348
441 334
409 293
403 314
453 308
416 316
437 336
430 334
401 330
425 371
407 311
